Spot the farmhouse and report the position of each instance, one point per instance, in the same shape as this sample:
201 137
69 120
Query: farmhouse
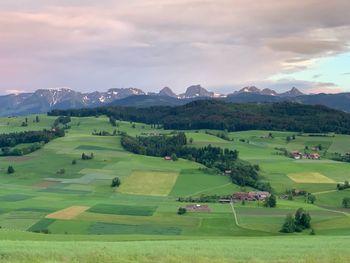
227 172
250 196
314 156
167 158
225 200
296 155
198 208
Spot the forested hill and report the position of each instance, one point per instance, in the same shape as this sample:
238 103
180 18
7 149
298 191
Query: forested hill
213 114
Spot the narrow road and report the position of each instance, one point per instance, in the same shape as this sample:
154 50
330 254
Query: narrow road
234 213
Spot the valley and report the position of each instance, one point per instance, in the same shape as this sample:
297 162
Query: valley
50 198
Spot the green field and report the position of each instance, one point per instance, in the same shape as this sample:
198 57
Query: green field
79 205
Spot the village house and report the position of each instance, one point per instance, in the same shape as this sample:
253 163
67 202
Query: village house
227 172
315 156
167 158
296 155
250 196
198 208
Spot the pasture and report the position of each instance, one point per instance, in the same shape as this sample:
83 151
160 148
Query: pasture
149 183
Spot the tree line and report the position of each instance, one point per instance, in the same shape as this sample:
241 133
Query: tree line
218 115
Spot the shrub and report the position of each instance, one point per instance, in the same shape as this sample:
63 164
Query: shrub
346 202
10 170
181 211
61 171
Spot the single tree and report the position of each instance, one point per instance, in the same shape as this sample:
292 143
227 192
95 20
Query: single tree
10 170
311 198
302 219
181 211
174 157
271 201
289 225
74 162
346 202
116 182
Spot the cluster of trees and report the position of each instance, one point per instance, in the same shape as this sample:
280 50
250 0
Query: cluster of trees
290 138
64 120
7 151
35 138
242 173
160 146
310 198
87 157
218 115
297 223
341 157
104 133
112 121
344 186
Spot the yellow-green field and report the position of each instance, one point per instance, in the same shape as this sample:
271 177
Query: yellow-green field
149 183
310 178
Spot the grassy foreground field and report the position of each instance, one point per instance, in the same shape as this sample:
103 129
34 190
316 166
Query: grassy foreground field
75 216
264 249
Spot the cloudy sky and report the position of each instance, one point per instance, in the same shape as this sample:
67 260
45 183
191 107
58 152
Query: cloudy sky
221 44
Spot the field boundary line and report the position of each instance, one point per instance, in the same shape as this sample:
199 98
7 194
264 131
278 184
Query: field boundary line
324 192
216 187
234 213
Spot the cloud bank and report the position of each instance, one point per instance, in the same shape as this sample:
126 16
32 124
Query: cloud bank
102 44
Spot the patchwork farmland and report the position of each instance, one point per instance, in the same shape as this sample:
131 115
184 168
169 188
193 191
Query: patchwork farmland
54 195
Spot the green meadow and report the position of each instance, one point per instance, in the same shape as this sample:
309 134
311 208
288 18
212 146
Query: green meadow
41 206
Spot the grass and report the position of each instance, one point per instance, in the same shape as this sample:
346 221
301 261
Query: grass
113 229
149 183
14 197
143 210
271 249
123 209
41 225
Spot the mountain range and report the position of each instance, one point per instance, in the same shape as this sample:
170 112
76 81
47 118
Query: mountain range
44 100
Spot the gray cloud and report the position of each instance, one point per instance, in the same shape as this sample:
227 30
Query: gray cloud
100 44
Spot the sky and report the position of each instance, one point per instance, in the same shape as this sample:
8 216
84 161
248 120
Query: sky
224 45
